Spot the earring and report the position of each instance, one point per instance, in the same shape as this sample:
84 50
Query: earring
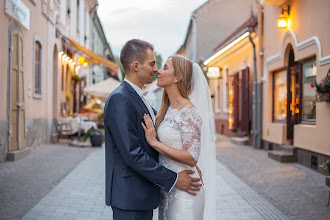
175 81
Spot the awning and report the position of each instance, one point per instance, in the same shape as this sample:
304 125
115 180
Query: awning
95 58
102 89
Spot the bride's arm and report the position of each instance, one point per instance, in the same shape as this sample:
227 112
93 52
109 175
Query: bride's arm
181 156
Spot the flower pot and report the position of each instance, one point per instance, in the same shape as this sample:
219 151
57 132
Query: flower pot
327 181
97 139
322 97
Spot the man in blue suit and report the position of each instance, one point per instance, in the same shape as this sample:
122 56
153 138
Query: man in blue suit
133 176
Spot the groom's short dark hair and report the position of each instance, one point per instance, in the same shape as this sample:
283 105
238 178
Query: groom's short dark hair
134 50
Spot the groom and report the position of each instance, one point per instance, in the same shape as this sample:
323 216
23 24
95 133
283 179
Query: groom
133 176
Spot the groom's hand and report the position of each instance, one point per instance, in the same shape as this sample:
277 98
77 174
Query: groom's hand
188 183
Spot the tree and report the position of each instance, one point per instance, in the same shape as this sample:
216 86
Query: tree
159 61
120 66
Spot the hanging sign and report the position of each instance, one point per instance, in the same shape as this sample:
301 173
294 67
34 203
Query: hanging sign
18 11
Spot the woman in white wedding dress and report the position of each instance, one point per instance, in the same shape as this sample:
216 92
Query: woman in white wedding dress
185 130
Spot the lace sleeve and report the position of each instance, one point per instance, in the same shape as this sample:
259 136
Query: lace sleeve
190 127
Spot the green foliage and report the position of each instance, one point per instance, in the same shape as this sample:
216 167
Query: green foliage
159 62
120 66
323 86
75 78
68 96
92 132
326 166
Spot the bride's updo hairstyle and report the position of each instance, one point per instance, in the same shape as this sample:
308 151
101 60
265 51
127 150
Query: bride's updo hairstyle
183 70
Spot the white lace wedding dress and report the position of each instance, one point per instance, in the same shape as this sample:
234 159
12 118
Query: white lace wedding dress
181 130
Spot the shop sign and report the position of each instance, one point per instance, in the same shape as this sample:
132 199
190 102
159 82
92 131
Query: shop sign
213 72
19 11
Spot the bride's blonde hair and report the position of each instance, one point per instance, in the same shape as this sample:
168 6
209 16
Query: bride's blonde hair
183 70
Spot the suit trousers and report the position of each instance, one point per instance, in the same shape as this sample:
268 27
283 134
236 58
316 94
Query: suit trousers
120 214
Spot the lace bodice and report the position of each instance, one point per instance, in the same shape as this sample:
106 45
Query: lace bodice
181 129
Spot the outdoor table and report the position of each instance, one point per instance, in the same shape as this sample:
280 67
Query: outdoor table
78 124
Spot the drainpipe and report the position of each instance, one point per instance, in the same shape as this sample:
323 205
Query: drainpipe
256 117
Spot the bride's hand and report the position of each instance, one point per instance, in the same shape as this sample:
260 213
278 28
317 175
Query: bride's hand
149 130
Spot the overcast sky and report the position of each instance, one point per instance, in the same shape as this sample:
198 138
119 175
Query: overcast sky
163 23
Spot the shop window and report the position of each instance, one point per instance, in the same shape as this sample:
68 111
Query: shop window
217 95
233 108
226 90
280 95
308 99
37 67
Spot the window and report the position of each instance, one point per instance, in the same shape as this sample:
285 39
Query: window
217 95
78 19
37 68
226 90
280 95
308 98
68 6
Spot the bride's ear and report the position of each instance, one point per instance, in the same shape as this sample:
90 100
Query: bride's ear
178 79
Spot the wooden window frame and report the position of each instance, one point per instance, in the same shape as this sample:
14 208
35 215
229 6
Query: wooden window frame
273 96
305 121
36 40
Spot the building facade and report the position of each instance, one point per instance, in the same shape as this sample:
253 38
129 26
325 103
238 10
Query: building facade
39 68
295 55
212 23
230 71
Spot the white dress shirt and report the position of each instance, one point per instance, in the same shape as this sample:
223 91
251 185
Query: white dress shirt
143 93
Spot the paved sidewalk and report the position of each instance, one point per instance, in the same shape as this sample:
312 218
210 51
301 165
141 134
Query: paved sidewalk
23 183
81 196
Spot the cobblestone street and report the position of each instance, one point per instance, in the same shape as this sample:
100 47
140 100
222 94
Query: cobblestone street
250 186
297 191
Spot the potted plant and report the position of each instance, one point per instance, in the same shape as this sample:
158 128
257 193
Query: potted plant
326 166
322 89
97 137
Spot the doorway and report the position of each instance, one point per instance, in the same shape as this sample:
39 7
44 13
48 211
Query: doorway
293 95
17 131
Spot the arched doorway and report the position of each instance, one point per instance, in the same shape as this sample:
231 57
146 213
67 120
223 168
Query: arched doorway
293 93
55 82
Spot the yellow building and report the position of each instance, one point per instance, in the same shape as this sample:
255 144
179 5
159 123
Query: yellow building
296 46
231 74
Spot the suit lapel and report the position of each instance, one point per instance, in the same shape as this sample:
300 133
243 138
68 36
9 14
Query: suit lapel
155 112
135 96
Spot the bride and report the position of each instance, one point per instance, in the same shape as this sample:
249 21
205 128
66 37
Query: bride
186 137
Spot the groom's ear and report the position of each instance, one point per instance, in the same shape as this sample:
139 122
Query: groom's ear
135 66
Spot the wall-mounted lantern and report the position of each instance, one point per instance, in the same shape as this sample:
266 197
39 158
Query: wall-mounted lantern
282 21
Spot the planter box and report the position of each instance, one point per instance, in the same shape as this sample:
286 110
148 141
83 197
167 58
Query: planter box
327 181
322 97
97 140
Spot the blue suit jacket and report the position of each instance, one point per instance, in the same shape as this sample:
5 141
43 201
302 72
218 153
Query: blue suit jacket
133 176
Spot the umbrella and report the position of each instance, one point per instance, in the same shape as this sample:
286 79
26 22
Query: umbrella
102 89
